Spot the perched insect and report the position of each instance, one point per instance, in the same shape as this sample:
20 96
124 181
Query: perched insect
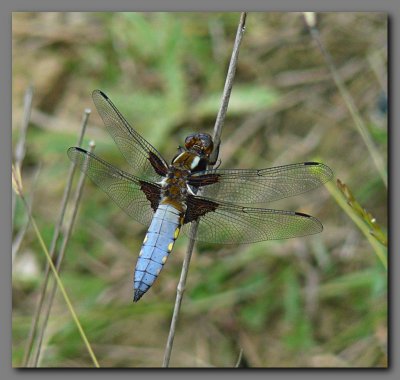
168 198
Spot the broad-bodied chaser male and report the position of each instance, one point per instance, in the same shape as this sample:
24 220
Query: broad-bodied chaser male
168 198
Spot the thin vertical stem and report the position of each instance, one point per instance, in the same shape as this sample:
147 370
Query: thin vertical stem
239 360
219 122
67 191
65 295
60 256
18 188
16 244
63 291
179 296
19 152
217 139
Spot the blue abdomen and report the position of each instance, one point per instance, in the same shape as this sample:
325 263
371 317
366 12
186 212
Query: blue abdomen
157 245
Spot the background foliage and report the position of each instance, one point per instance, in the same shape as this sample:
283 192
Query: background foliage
307 302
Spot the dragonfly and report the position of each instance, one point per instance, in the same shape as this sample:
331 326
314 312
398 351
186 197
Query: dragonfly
172 197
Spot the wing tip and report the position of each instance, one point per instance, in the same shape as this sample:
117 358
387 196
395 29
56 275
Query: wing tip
302 214
79 149
99 92
71 151
311 163
318 225
328 172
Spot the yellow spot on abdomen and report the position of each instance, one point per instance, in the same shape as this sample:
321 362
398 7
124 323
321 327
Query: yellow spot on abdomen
170 245
141 252
176 233
145 239
164 259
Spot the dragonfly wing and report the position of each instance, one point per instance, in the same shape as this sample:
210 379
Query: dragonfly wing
225 223
140 154
138 198
261 186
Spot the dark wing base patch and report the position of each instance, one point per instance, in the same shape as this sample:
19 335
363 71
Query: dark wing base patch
197 207
152 192
157 164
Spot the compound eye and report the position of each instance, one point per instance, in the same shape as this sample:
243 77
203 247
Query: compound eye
190 141
207 144
199 142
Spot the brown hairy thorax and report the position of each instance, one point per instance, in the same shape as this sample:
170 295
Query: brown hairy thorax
198 148
174 188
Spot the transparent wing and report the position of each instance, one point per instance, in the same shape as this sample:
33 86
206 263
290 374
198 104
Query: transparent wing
145 160
225 223
136 197
261 186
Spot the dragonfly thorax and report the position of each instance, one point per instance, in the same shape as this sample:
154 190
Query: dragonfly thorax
174 187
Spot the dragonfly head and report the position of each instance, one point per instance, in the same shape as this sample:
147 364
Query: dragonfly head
200 143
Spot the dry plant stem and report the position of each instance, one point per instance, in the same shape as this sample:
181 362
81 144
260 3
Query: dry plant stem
238 361
60 256
348 100
228 83
67 191
16 244
179 296
217 138
64 292
19 152
18 189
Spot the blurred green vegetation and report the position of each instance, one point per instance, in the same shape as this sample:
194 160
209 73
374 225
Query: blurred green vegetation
308 302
